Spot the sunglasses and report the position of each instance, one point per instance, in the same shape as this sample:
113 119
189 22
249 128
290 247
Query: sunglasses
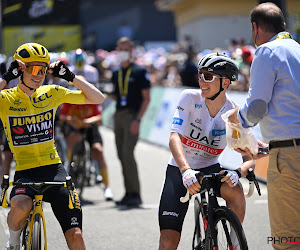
36 69
207 77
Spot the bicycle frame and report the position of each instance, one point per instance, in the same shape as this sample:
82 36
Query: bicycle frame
212 205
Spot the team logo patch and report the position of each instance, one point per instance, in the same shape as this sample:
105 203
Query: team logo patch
20 191
31 129
177 121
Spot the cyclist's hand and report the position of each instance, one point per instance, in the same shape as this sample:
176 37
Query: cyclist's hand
231 178
15 69
190 181
60 70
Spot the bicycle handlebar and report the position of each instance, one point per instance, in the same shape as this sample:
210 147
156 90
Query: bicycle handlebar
201 177
33 185
250 177
252 181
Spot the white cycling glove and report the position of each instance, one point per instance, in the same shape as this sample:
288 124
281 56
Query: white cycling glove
189 177
234 177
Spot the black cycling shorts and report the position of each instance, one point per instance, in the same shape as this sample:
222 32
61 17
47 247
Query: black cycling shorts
92 134
58 197
171 211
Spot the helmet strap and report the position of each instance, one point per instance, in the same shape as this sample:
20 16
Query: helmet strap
25 84
219 92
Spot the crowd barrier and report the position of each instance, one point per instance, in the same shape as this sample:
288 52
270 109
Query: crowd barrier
155 125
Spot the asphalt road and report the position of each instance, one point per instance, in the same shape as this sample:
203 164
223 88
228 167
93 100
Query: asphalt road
107 227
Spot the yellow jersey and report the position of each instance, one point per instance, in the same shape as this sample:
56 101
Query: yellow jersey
28 122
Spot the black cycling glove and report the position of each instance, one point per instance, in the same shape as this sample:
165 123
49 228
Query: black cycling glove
62 71
12 72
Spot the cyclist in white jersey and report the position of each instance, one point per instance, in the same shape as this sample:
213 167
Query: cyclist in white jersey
198 137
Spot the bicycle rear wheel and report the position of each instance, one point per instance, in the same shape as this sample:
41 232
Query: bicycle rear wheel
199 234
36 237
227 224
77 168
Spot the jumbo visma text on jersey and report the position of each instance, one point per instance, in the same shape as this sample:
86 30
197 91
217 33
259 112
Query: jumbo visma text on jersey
26 130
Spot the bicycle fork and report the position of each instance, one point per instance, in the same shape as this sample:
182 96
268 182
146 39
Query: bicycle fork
37 210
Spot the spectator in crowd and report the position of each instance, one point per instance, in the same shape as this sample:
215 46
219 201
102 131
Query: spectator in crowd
132 93
189 72
273 102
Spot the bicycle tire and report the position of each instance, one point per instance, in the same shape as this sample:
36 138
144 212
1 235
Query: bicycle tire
223 219
24 236
36 237
199 234
77 168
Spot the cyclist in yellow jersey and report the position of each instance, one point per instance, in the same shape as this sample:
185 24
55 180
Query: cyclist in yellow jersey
27 112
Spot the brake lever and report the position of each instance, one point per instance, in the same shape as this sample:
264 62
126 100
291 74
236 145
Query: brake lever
251 177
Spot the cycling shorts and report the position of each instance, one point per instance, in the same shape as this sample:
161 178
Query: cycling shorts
58 197
92 134
171 211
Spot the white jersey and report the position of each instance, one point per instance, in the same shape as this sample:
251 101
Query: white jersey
203 136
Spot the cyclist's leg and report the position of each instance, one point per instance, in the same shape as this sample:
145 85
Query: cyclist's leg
21 204
73 137
95 140
70 220
171 210
235 199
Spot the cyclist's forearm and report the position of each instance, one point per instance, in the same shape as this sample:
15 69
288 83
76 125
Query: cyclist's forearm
246 165
94 119
92 94
177 151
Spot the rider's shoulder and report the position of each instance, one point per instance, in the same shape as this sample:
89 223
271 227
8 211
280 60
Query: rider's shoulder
192 93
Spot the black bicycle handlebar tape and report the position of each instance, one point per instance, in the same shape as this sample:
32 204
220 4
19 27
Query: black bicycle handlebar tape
12 72
251 177
62 71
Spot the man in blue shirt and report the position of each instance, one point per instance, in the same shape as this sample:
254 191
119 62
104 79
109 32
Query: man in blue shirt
273 102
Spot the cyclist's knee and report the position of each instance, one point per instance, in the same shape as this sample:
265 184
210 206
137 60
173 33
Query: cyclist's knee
74 235
232 193
169 239
21 204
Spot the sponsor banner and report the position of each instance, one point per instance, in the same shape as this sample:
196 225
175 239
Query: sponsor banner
40 12
69 37
31 129
149 118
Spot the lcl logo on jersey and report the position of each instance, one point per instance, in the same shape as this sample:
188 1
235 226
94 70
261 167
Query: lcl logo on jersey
39 102
41 98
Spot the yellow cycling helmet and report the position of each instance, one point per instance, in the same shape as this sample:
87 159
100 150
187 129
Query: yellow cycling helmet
32 52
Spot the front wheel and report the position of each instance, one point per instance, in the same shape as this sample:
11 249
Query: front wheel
36 237
230 233
199 234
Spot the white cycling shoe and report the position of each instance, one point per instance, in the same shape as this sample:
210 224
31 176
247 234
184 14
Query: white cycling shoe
108 195
12 247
